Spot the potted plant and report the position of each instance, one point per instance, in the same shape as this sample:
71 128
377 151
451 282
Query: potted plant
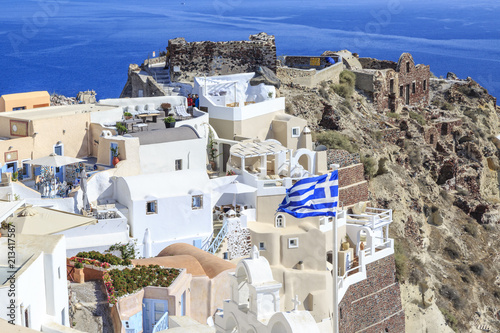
345 245
169 122
115 153
127 115
121 128
79 274
166 106
15 175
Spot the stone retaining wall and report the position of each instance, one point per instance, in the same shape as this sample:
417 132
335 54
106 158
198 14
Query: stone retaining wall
353 194
309 77
374 304
342 157
351 175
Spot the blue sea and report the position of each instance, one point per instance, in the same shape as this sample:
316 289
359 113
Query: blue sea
72 45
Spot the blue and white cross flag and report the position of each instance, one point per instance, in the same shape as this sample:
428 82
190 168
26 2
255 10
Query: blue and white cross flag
314 196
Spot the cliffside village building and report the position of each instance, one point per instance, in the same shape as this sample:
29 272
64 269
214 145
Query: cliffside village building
209 185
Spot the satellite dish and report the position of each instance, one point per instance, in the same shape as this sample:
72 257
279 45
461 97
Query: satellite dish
321 148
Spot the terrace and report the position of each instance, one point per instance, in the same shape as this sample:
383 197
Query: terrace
367 232
269 166
232 97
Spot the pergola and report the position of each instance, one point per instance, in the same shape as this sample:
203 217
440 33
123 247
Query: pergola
261 149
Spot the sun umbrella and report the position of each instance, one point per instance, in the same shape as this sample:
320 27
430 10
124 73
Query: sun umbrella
235 188
54 160
147 244
83 186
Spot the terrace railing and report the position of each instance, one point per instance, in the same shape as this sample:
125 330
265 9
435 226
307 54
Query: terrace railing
372 217
162 324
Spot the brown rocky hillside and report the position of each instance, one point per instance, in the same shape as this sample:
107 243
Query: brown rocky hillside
438 169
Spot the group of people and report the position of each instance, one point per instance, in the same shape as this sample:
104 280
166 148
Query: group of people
193 100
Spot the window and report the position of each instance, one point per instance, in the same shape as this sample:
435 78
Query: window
280 221
401 91
413 87
197 202
19 108
295 132
293 243
407 67
391 86
151 207
27 317
63 317
178 165
262 246
425 85
59 272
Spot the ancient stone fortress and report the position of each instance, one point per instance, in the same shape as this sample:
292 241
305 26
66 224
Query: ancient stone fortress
187 60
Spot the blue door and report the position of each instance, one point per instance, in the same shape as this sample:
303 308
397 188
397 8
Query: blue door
113 146
58 150
154 309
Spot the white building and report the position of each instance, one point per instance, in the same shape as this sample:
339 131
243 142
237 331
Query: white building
38 288
172 150
173 206
255 303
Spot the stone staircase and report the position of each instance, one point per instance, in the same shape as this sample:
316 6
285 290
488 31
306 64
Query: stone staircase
161 75
479 325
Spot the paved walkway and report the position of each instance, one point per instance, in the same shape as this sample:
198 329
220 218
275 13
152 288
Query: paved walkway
91 308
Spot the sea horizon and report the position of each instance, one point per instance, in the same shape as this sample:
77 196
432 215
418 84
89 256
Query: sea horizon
69 46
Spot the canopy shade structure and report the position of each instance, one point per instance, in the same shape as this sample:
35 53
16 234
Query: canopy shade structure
255 149
46 221
54 160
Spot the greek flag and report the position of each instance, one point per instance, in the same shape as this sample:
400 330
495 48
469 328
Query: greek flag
314 196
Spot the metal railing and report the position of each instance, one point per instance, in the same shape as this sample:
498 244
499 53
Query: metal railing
214 246
162 324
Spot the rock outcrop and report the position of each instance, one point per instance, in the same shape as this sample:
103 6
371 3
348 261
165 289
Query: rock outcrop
437 168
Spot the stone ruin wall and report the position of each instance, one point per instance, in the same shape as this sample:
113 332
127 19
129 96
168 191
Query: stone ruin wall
416 74
220 58
383 97
377 84
374 304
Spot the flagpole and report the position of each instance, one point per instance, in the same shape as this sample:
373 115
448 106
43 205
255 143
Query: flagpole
335 259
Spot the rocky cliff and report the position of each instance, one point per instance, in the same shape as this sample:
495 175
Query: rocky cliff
437 167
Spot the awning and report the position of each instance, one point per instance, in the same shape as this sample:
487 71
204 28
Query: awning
45 221
254 149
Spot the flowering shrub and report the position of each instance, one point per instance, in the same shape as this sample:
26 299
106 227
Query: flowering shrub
127 281
230 173
92 262
212 151
108 258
